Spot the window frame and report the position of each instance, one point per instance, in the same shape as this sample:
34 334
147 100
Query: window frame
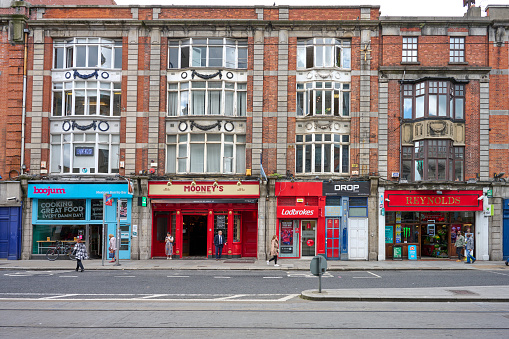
339 149
457 49
428 151
410 50
177 48
329 50
308 92
68 142
183 163
68 49
419 96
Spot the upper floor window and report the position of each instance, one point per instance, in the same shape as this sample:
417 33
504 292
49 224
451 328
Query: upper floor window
88 53
409 49
433 160
433 99
207 98
457 49
89 97
205 153
323 52
322 153
208 52
323 98
85 153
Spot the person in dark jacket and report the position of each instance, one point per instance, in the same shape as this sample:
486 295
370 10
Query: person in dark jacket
470 248
219 243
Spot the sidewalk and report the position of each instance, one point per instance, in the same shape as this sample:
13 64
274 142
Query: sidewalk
250 264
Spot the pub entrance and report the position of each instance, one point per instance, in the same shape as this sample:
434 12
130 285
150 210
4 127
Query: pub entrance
194 235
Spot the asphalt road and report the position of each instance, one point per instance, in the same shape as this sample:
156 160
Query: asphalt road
232 282
233 304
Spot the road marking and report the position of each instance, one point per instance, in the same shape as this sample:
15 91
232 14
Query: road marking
232 297
288 297
222 277
177 276
125 276
67 276
272 277
308 275
59 296
499 273
153 296
375 276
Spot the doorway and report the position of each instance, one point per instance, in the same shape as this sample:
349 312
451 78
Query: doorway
95 241
194 235
308 238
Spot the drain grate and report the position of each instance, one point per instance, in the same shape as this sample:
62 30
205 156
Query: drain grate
462 292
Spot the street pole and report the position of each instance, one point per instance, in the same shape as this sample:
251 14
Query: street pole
117 254
104 228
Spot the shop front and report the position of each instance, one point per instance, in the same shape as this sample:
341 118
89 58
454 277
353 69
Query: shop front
346 219
62 212
194 212
300 221
425 224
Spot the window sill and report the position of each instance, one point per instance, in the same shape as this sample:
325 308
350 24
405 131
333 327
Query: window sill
458 63
410 63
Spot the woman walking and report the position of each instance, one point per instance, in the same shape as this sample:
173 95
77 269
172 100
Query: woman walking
274 250
169 245
81 254
460 243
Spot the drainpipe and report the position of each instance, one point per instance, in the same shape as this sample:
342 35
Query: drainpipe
24 109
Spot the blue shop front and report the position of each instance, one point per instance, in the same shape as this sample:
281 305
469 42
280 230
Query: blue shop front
65 211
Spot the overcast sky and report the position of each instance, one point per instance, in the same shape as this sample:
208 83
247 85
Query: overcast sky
387 7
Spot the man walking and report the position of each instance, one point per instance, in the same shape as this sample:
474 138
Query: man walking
470 248
460 243
219 243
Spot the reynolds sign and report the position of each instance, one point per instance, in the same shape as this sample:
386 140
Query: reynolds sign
346 188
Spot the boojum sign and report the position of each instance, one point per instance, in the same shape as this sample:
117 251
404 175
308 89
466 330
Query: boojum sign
49 190
297 212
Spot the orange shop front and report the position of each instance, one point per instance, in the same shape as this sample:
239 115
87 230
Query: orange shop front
193 212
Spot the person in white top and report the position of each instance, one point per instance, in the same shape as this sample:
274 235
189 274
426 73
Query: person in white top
113 246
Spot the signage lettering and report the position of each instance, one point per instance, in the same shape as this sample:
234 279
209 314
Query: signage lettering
203 188
353 188
49 190
294 211
61 209
437 200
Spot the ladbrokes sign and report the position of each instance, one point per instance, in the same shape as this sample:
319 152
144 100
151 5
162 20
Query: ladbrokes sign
297 212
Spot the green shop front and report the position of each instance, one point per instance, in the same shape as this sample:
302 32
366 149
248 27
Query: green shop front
62 212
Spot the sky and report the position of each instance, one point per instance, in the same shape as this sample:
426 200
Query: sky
387 7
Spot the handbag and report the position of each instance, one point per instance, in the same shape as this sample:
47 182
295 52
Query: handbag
111 255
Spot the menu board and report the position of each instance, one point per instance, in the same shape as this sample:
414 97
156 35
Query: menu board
60 209
97 209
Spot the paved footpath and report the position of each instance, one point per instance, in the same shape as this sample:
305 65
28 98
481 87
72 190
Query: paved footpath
435 294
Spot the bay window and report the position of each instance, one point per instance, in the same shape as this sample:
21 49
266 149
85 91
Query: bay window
433 98
207 98
205 153
89 97
322 153
436 160
208 52
84 153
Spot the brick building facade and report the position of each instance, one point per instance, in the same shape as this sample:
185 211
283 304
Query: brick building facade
253 120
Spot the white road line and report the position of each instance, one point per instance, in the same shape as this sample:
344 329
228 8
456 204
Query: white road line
222 277
177 276
232 297
272 277
154 296
67 276
375 276
499 273
125 276
59 296
288 297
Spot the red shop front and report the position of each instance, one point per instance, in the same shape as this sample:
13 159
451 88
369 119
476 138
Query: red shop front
300 219
428 221
193 212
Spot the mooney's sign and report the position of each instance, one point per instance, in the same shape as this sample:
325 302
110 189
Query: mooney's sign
297 212
431 201
201 189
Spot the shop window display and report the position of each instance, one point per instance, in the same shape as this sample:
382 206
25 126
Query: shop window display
46 235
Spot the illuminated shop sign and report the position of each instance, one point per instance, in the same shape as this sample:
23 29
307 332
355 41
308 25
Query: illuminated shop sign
432 201
200 189
297 212
346 188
